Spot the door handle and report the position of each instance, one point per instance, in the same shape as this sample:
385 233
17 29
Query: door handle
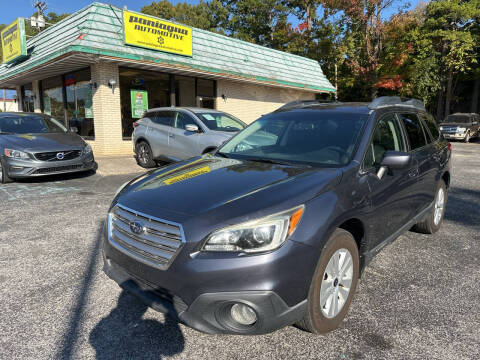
171 135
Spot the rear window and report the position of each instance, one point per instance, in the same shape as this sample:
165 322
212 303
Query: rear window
414 130
162 117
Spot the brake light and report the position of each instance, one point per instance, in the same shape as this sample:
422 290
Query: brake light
449 146
135 124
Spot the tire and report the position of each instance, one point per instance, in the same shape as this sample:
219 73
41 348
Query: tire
431 224
144 155
317 319
4 178
467 138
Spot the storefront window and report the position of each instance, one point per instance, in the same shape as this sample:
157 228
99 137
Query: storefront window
79 103
53 98
28 98
185 91
141 90
206 93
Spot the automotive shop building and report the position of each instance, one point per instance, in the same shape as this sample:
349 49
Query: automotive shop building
99 69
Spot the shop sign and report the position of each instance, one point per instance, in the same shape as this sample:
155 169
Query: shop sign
154 33
14 41
139 100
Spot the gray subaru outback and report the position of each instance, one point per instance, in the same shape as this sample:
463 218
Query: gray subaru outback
275 227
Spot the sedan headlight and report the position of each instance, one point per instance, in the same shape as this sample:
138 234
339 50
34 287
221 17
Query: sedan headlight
441 128
260 235
87 149
461 129
17 154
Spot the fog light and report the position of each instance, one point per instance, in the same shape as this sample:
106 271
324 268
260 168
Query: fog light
243 314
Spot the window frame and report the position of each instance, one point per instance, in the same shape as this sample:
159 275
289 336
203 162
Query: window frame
427 115
402 134
407 137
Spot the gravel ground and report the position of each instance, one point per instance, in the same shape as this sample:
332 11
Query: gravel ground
418 299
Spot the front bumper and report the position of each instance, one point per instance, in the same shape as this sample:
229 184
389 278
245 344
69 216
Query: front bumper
454 136
18 168
200 292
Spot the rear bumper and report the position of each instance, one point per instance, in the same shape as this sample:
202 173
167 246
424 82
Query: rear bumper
18 168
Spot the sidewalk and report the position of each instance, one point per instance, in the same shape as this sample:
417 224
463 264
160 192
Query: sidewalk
117 165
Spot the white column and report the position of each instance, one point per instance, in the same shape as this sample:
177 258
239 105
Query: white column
19 98
36 101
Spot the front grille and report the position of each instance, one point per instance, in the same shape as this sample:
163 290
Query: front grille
58 169
52 155
449 129
156 244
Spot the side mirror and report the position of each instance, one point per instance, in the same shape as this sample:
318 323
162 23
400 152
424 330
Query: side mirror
191 128
74 129
394 160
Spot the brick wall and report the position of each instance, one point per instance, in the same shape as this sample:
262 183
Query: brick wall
248 101
106 112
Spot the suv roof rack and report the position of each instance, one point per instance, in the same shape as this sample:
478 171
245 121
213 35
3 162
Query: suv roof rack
384 101
302 103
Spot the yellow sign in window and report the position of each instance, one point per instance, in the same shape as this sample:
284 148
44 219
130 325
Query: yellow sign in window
153 33
14 41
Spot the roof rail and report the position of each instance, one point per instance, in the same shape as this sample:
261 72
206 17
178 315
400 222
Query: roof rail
384 101
302 103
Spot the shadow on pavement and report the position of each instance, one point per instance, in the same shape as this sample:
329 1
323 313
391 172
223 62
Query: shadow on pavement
462 206
124 334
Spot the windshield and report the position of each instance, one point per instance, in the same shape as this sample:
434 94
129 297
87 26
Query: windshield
30 124
221 121
322 138
459 119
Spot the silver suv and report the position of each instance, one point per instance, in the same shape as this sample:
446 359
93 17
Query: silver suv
174 134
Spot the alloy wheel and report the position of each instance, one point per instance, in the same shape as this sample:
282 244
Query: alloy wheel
143 154
336 283
439 205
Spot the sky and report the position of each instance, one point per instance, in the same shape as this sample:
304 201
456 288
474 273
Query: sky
24 8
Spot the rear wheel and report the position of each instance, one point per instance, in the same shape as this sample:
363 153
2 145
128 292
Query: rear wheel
4 178
144 155
432 223
333 284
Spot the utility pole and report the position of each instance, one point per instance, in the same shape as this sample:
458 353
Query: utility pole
39 21
336 84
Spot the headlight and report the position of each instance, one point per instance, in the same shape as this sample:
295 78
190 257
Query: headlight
441 128
87 149
17 154
264 234
461 129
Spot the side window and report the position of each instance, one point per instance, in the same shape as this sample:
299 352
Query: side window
183 120
386 136
431 125
163 118
414 130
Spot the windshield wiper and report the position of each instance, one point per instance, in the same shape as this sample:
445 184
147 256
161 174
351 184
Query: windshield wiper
222 154
278 162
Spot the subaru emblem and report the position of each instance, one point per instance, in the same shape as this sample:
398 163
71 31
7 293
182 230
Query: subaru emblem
60 155
137 227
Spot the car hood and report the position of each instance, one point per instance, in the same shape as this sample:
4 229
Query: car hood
456 124
43 142
222 187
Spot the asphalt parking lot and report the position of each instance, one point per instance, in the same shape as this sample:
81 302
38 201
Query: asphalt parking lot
418 299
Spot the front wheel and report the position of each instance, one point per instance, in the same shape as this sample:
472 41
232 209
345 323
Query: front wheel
4 178
333 284
432 223
144 155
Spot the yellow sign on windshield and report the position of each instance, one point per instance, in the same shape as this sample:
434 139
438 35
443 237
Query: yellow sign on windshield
14 41
153 33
